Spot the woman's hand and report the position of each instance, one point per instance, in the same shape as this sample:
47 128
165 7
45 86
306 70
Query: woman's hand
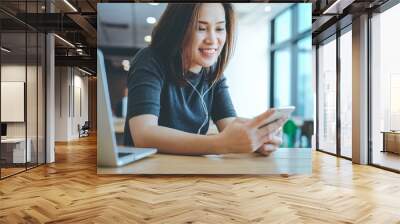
271 145
245 136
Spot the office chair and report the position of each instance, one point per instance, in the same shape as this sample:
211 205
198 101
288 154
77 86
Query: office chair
84 130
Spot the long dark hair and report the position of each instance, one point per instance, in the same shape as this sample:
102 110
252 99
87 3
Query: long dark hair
173 34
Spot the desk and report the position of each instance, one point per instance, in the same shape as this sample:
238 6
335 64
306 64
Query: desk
282 161
391 141
17 151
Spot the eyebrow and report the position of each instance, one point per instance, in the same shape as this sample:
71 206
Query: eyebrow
204 22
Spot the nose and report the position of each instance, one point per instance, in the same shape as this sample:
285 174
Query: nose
211 37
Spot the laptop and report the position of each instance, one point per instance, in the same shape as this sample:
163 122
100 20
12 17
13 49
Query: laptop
108 153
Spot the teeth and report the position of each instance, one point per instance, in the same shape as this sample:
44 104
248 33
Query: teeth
208 51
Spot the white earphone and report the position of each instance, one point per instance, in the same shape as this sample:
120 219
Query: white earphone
203 104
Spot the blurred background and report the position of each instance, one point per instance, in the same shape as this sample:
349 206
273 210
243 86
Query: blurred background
271 66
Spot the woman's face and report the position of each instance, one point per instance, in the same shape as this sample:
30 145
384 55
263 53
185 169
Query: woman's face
209 37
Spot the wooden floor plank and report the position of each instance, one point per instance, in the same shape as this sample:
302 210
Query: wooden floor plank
70 191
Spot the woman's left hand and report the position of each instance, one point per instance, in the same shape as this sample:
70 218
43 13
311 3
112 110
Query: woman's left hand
272 144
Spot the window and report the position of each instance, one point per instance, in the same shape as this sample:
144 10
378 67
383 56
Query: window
282 77
304 17
327 96
304 97
283 26
291 69
385 89
346 94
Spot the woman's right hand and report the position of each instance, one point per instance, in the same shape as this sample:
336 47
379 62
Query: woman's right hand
244 135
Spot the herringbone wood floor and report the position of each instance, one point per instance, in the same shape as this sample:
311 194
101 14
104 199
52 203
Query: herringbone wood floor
69 191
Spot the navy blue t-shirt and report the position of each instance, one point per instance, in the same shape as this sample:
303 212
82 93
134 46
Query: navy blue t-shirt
151 91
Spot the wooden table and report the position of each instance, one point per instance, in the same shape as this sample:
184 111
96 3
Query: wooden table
14 148
391 141
282 161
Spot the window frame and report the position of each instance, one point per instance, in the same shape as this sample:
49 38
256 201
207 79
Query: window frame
290 44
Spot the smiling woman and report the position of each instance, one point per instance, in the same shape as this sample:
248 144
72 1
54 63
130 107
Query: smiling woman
182 36
176 85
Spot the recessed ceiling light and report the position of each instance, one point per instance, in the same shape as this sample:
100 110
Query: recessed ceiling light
155 4
43 7
151 20
267 8
147 38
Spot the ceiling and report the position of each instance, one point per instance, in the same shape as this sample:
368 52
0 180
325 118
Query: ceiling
130 27
72 20
332 15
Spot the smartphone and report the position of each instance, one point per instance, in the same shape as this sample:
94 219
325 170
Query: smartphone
279 113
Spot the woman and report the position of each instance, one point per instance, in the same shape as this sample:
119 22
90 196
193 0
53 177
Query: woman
176 85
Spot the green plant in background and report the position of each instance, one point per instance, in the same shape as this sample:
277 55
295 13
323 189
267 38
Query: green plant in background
289 134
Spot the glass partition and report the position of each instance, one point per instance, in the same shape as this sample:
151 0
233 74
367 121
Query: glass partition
22 90
346 94
41 96
327 96
31 98
13 87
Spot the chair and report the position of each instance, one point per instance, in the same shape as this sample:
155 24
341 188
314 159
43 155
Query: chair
84 130
307 130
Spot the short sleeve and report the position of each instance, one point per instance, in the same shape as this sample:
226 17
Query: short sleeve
222 106
145 83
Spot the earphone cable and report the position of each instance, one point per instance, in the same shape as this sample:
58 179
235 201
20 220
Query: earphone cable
204 106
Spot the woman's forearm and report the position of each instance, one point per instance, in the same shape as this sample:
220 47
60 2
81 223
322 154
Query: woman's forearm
168 140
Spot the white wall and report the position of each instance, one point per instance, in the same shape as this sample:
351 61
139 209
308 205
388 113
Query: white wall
248 73
14 73
17 73
68 82
62 81
80 83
